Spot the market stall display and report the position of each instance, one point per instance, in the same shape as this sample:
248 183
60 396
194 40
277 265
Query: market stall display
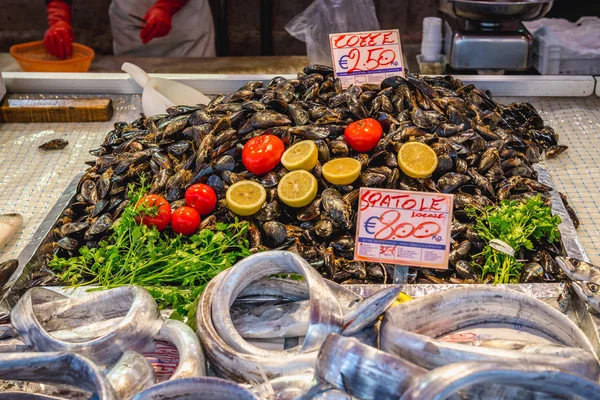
251 201
482 152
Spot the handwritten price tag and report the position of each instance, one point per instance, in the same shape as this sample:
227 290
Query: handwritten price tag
366 57
403 227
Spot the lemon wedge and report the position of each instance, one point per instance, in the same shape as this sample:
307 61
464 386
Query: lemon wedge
341 171
417 160
297 188
245 197
302 155
402 298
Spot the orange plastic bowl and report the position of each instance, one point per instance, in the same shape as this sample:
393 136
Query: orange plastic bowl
33 57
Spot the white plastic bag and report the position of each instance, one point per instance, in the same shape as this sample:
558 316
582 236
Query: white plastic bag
576 39
323 17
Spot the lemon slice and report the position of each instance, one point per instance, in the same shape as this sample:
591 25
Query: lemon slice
402 298
417 160
302 155
245 197
341 171
297 188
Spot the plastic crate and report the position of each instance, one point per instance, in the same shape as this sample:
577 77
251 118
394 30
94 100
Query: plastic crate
549 60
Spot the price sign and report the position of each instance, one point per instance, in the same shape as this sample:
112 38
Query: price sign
403 227
366 57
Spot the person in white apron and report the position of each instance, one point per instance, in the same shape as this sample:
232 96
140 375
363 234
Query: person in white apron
142 28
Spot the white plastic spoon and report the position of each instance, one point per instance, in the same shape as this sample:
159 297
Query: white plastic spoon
160 94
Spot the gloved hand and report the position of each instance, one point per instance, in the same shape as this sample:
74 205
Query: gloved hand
158 19
59 36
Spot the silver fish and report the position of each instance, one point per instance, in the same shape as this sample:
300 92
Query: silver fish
323 391
444 381
239 366
131 374
290 319
585 279
254 300
284 289
364 371
347 298
191 357
7 332
31 396
410 335
57 368
325 311
263 316
368 310
13 345
268 321
204 388
9 225
284 388
101 325
253 364
223 332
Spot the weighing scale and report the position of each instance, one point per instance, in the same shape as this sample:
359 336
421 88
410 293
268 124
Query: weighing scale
488 36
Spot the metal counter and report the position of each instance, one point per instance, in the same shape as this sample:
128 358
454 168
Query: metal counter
32 180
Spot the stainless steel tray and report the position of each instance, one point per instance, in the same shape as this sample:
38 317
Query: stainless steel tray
32 256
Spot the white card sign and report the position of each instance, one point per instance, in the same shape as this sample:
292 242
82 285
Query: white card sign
366 57
403 227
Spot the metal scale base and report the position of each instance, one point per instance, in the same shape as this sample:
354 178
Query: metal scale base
488 35
487 46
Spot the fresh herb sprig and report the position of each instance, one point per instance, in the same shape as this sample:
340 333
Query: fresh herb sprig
516 223
173 268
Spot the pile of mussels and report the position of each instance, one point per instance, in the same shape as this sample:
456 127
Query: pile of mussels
485 152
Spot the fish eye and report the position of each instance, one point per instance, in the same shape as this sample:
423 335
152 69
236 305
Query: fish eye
593 287
576 263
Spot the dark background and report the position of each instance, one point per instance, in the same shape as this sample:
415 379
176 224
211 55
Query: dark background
237 22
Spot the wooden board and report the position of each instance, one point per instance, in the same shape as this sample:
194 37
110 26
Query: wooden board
56 110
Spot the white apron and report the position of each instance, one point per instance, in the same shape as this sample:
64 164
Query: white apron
192 33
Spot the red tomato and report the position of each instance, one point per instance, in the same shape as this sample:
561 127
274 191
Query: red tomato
185 220
201 197
159 217
363 135
262 153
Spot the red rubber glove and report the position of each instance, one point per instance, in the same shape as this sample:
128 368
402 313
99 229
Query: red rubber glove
158 19
59 36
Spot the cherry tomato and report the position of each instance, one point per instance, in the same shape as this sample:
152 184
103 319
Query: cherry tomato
262 153
158 217
363 135
185 220
201 197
